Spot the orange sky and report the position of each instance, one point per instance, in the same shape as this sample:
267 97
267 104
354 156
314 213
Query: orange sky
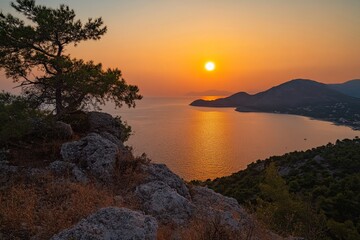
162 45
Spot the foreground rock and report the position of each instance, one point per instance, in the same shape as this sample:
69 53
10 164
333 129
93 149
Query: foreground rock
225 211
164 203
160 172
100 122
94 154
112 224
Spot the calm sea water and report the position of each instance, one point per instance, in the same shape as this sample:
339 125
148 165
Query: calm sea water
202 143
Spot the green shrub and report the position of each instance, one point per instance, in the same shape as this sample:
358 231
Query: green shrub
125 129
17 115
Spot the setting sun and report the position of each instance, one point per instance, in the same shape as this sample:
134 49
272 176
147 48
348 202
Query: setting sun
209 66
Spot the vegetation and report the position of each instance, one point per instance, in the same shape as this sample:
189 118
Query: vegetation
44 206
313 193
17 117
33 53
34 56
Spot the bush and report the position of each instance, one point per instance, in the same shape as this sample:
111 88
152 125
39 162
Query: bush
125 129
16 116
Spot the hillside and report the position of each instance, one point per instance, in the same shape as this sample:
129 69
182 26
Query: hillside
299 97
351 88
325 180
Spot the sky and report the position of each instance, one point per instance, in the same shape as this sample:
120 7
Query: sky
162 45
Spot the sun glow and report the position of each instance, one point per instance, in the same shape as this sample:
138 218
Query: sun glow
209 66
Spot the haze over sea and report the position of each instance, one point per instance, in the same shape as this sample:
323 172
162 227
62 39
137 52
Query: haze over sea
202 143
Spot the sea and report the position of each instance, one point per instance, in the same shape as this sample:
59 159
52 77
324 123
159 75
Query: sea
200 143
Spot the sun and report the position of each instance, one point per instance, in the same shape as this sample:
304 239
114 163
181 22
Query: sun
210 66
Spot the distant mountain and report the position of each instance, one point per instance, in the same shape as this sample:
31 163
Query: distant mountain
231 101
351 88
299 97
290 94
209 93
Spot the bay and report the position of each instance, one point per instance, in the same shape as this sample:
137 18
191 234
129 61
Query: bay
201 143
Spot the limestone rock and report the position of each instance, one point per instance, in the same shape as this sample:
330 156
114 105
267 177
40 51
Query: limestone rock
214 206
93 154
62 167
164 203
103 122
112 139
112 224
162 173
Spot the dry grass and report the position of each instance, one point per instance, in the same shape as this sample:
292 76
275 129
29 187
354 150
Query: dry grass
128 173
45 209
200 229
36 154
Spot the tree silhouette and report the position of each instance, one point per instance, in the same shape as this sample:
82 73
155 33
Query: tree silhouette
32 52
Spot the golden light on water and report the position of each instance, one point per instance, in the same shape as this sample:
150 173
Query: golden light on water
210 66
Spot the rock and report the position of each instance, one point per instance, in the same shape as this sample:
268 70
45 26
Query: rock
62 167
212 206
162 173
225 215
164 203
6 172
112 139
78 175
112 224
63 130
103 122
94 154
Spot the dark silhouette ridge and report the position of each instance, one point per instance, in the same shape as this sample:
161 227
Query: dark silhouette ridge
293 93
351 88
300 97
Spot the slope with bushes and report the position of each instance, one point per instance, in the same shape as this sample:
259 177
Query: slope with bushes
295 192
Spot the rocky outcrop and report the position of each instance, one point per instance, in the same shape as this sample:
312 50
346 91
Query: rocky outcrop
94 154
112 224
159 192
69 169
223 211
100 122
63 130
160 172
164 203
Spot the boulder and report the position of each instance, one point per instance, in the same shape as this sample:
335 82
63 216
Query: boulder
63 130
68 168
112 139
112 224
94 154
160 172
215 208
164 203
103 122
61 167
